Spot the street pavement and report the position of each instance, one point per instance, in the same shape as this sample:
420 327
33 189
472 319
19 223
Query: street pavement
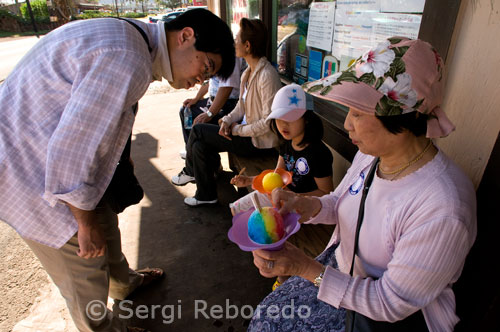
11 51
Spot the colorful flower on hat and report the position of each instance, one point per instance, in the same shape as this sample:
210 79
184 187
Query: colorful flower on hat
384 70
398 97
400 90
378 60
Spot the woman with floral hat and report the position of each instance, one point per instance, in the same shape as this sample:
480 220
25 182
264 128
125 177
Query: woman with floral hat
405 213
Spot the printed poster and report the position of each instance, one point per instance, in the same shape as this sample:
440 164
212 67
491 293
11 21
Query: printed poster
402 6
356 32
315 62
321 23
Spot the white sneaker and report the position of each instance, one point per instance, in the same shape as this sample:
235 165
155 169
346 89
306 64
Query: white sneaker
182 153
191 201
182 178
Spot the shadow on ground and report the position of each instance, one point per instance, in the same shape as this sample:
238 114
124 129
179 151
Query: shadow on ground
204 269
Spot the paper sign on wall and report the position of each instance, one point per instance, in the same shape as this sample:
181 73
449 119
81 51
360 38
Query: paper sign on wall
359 5
321 22
356 32
315 58
402 6
330 66
301 64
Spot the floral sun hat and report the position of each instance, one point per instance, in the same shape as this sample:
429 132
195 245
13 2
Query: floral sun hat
398 76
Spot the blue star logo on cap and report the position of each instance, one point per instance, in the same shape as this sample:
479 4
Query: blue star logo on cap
294 99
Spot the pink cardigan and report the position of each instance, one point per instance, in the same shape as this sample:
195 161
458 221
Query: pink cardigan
414 240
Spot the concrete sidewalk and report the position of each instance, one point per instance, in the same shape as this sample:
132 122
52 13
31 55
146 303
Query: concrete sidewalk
203 267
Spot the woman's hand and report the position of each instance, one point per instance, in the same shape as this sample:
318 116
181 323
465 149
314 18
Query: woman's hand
242 180
226 129
288 201
289 261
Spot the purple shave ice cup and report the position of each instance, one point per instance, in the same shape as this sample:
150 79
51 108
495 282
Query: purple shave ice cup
238 233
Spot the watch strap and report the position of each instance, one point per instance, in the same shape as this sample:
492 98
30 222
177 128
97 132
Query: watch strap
319 278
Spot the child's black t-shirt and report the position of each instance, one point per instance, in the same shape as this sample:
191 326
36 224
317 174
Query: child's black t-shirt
315 161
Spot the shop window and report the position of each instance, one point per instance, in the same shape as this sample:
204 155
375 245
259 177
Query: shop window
301 32
238 9
319 38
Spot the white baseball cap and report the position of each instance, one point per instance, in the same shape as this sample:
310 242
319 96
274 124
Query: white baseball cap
289 103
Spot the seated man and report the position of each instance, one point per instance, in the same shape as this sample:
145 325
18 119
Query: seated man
223 98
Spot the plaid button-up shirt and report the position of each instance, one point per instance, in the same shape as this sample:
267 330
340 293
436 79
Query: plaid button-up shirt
66 114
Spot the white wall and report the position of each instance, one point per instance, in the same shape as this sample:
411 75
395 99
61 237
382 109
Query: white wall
472 99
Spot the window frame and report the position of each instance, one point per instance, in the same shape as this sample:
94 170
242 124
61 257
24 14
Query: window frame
438 15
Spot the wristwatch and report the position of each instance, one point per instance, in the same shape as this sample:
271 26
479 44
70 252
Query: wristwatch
319 279
210 114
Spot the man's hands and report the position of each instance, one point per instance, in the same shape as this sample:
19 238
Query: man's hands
91 238
202 118
91 241
189 102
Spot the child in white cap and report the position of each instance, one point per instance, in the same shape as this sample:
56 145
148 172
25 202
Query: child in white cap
301 150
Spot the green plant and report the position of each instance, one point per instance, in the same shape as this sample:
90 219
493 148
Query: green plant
6 13
39 8
93 14
134 15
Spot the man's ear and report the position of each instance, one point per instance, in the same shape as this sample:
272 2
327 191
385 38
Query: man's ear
186 37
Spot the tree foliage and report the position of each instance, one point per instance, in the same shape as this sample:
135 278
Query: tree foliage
39 8
171 3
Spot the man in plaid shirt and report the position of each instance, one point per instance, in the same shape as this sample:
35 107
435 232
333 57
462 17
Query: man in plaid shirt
67 113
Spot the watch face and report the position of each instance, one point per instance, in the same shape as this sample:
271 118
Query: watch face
209 114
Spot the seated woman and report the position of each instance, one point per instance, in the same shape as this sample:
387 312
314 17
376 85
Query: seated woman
245 131
419 215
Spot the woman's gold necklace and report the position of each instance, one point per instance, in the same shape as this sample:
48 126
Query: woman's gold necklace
411 162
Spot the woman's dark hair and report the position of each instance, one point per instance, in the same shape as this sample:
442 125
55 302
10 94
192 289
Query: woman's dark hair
414 122
212 35
313 129
255 32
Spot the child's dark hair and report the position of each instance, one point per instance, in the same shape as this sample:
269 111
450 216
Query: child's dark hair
313 129
212 35
414 122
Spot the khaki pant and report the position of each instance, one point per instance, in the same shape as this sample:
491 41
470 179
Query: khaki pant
85 283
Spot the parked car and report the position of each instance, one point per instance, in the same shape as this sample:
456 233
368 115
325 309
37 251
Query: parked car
170 16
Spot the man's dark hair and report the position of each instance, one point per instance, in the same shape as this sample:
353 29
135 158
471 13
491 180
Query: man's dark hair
255 32
313 129
212 35
414 122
